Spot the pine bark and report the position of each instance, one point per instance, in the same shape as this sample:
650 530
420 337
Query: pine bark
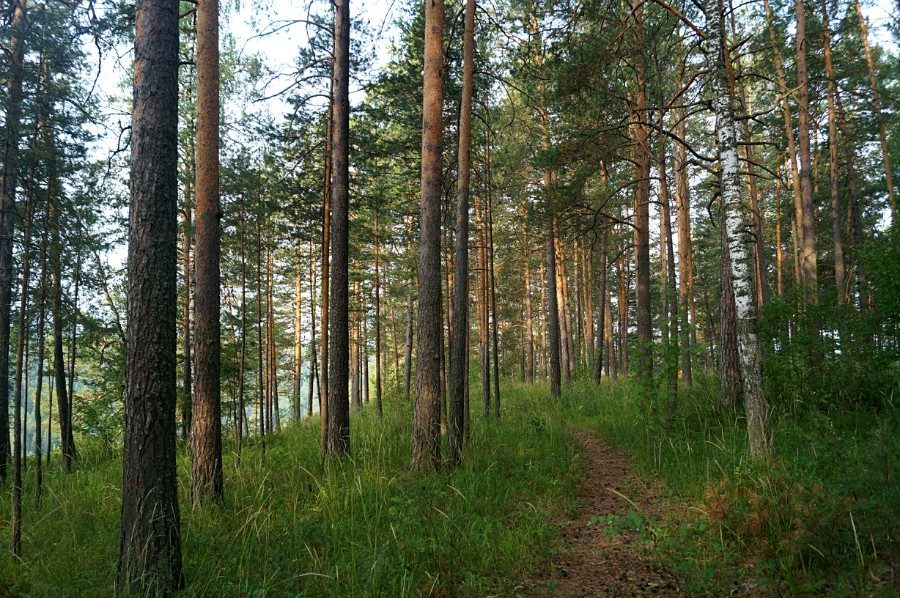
63 399
20 371
7 208
553 316
150 545
298 334
879 117
834 174
806 218
459 337
529 324
378 363
426 441
338 416
685 253
206 419
326 273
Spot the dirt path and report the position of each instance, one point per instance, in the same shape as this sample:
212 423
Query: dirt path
597 563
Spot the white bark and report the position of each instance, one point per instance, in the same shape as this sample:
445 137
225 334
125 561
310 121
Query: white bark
737 229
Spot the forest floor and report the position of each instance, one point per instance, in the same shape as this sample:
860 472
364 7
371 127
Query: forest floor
602 559
609 542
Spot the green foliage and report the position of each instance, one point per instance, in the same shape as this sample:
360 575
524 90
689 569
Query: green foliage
294 525
818 517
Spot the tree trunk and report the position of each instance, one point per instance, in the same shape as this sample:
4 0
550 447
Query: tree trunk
600 350
740 258
879 118
493 297
483 313
243 364
670 311
834 174
312 336
565 367
553 315
260 347
855 210
206 431
355 396
21 369
378 364
426 441
685 253
729 359
150 545
407 354
8 186
642 216
64 407
459 337
298 336
543 352
338 436
41 318
529 325
187 380
806 218
326 270
72 347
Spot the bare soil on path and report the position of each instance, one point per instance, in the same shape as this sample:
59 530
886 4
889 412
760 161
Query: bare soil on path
595 562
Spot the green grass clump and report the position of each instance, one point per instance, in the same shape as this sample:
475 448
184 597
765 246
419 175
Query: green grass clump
818 517
292 524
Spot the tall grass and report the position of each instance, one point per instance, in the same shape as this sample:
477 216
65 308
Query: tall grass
293 524
819 517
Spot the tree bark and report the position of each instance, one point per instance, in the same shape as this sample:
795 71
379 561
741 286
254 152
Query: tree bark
493 297
326 272
150 545
187 380
21 369
206 431
786 112
729 358
312 337
685 253
459 337
529 325
426 441
600 349
834 174
483 313
806 219
748 344
338 436
879 118
553 315
378 364
298 333
7 208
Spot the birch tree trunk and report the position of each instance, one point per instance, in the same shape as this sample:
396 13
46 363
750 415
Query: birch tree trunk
735 223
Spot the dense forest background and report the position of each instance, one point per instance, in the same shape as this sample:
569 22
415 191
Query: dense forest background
457 232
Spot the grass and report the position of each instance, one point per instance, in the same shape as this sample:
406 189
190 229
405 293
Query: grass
820 517
295 525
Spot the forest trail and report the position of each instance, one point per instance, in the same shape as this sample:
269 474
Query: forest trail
595 562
